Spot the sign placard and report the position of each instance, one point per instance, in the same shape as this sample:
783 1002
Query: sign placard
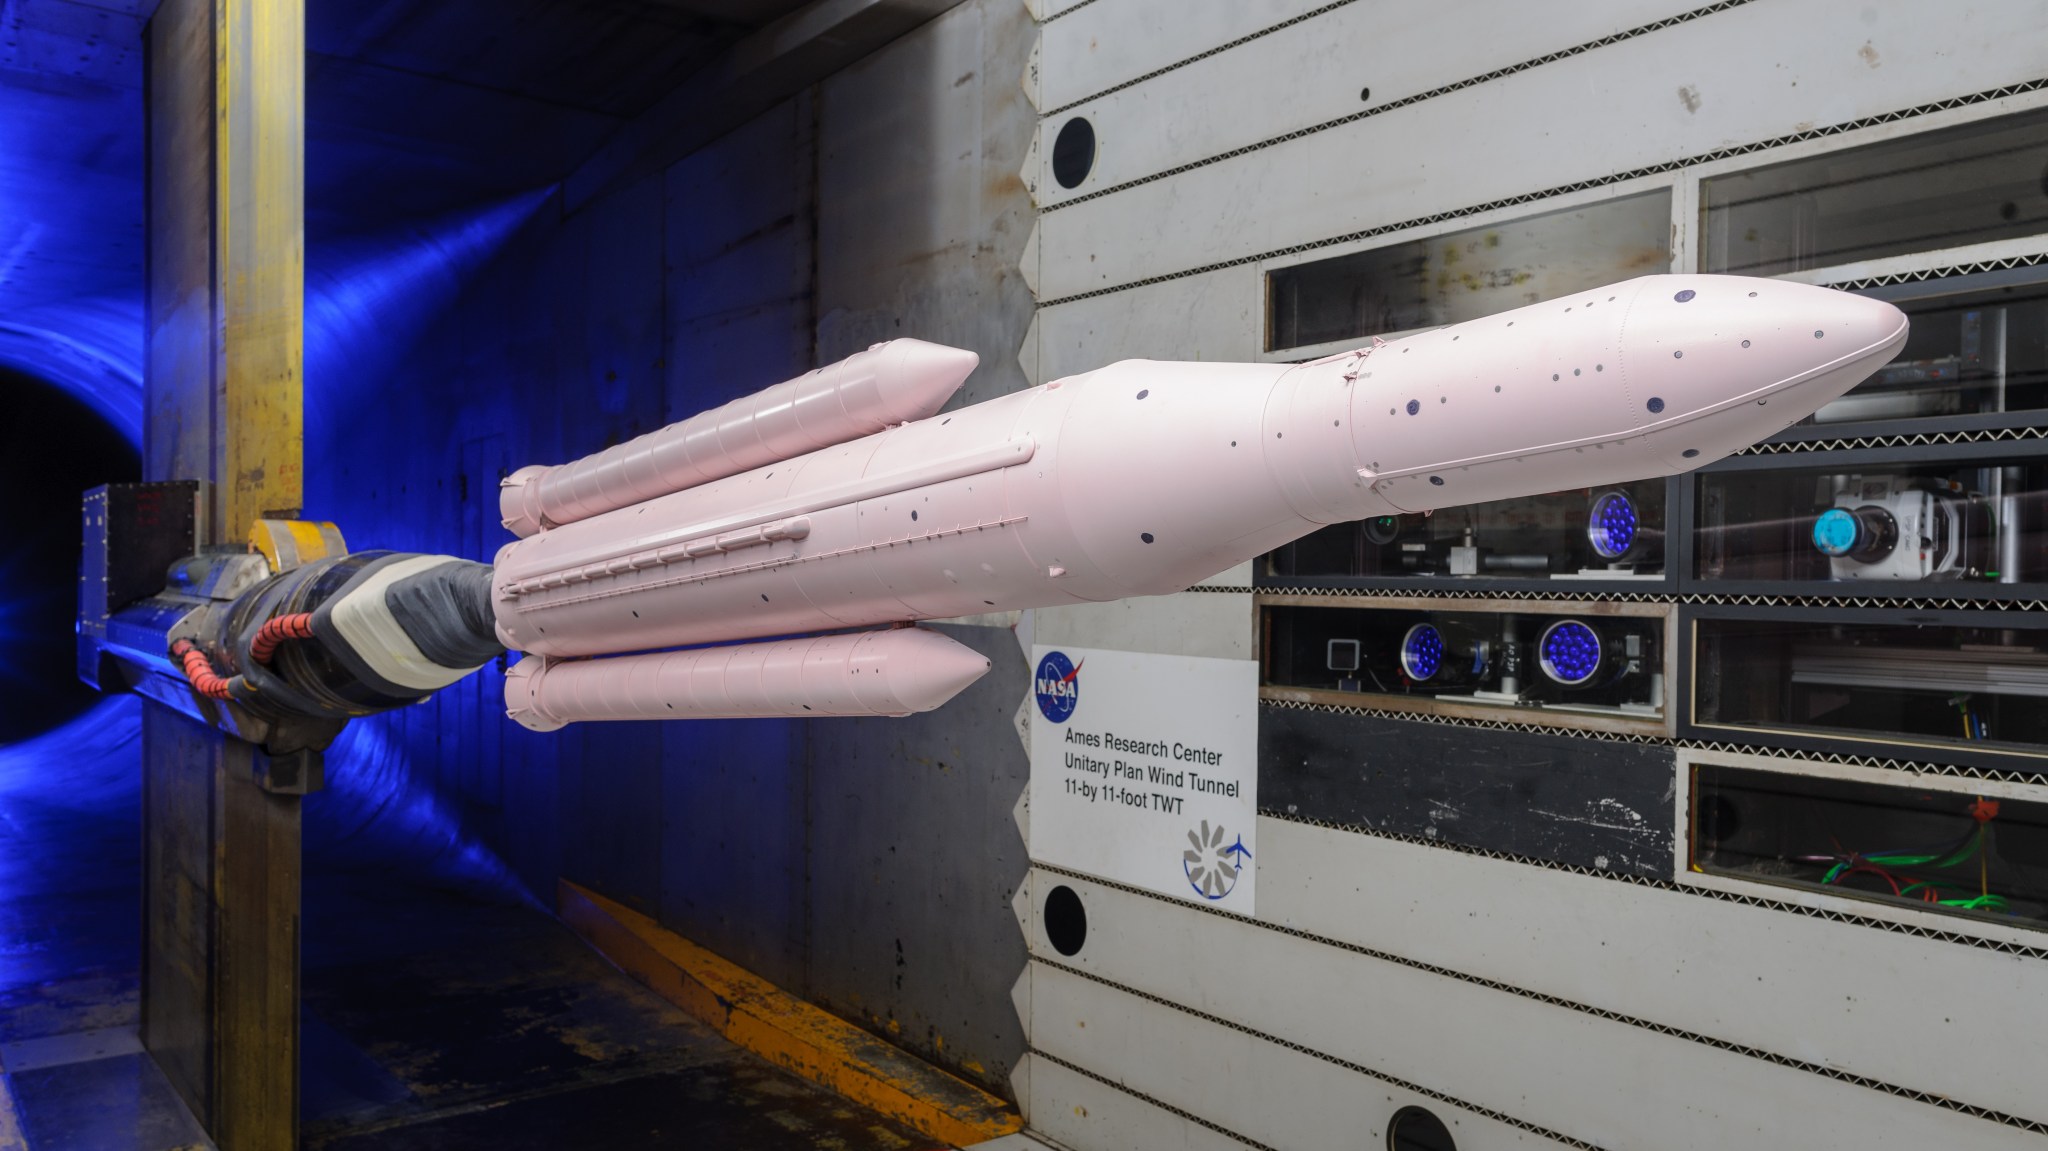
1144 770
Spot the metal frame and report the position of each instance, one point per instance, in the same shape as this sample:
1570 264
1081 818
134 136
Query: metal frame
1423 585
1846 460
1905 747
1563 719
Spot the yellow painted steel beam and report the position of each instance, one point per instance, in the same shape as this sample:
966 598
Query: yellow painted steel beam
260 182
225 106
226 288
785 1030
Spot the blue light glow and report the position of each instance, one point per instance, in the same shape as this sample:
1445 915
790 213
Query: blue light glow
1612 525
1422 652
1834 533
70 802
369 298
1571 652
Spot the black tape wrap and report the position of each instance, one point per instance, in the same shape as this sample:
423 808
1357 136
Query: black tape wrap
447 612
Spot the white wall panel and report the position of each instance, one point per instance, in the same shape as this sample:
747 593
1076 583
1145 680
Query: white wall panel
1255 1087
1113 42
1079 1112
1212 625
1312 73
1833 993
1607 1082
1730 79
1215 316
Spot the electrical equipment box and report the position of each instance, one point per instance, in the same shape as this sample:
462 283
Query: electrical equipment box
1564 665
133 534
1947 852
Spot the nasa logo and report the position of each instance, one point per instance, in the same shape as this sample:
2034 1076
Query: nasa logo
1057 685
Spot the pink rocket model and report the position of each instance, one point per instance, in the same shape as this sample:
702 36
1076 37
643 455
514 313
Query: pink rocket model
723 566
1140 478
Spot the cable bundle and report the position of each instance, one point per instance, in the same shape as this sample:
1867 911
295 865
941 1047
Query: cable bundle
199 671
276 631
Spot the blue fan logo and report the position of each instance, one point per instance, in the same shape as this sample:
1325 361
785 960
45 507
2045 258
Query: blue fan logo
1057 685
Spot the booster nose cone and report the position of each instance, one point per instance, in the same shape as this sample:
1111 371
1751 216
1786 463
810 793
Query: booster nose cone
924 370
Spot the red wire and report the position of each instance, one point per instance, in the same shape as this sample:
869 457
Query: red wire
275 631
1873 870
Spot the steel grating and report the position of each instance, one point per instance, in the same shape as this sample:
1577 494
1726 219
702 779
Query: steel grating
1844 599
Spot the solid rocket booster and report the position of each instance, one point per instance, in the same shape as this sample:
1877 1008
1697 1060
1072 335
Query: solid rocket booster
898 671
890 383
1145 477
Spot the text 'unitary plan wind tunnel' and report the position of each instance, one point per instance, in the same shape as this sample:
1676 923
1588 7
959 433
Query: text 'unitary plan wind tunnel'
660 578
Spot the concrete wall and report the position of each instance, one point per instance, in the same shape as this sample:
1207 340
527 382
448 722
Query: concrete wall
867 865
1527 1001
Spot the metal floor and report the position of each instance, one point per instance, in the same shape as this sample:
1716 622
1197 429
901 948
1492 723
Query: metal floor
441 1011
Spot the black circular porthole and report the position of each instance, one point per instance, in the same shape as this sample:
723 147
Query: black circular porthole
1415 1129
1066 921
1073 152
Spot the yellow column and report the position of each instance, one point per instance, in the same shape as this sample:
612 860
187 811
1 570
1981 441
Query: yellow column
225 102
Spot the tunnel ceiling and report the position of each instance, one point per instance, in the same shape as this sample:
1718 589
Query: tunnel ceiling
414 107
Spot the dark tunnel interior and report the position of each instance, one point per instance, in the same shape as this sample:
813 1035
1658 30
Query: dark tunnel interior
53 447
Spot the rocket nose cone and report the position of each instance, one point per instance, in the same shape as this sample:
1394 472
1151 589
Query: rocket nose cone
926 669
1845 323
936 364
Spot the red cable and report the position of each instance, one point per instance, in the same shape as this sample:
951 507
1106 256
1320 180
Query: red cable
1872 869
199 671
275 631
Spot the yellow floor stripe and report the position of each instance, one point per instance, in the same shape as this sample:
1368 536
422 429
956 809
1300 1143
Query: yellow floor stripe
785 1030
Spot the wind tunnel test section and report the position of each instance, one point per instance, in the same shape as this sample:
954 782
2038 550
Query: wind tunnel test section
757 536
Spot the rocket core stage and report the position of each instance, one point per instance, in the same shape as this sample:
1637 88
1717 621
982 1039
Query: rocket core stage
845 499
1144 477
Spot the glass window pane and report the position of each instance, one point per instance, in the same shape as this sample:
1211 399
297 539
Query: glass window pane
1880 527
1967 185
1589 533
1946 688
1938 851
1519 661
1464 275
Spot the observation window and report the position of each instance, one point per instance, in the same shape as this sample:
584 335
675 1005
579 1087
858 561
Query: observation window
1589 533
1932 850
1946 688
1877 527
1944 189
1463 275
1557 660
